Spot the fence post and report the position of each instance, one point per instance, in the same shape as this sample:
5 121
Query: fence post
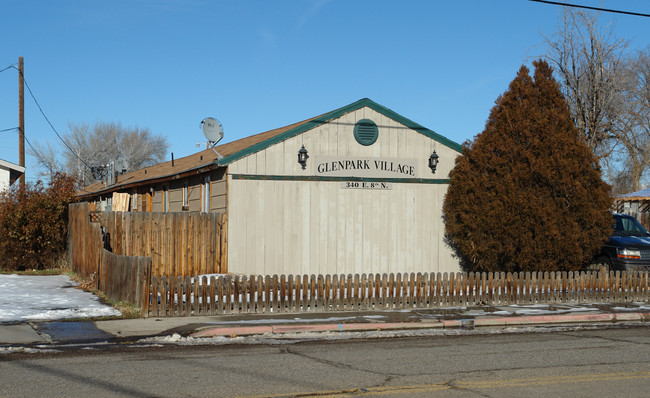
144 278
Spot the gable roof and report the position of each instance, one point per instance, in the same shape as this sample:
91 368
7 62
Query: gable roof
235 150
15 171
299 128
643 194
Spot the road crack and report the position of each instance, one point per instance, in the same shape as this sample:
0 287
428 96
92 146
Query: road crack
340 365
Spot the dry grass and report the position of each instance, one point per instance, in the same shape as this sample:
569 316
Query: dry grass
60 267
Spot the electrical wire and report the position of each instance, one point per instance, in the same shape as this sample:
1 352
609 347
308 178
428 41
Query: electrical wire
557 3
48 120
38 155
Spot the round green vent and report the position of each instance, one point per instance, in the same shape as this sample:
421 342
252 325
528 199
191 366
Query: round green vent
366 132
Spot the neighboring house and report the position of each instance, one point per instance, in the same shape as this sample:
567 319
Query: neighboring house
9 173
636 204
365 200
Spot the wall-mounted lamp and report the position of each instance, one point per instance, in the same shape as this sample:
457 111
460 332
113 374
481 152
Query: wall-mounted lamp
302 157
433 162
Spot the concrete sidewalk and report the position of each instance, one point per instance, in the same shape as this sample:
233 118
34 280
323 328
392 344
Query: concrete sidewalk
452 318
124 330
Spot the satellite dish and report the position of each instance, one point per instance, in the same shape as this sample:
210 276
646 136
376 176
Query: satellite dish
122 165
212 129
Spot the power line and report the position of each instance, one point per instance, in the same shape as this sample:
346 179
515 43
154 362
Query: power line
38 155
557 3
8 67
48 120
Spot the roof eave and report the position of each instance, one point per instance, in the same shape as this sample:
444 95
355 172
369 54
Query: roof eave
168 177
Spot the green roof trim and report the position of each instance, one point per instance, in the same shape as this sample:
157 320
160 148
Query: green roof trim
339 179
311 124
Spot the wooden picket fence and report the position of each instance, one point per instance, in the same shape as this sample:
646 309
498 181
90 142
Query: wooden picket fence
225 294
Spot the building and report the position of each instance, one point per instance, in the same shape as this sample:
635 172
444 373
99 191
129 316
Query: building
9 173
366 196
636 204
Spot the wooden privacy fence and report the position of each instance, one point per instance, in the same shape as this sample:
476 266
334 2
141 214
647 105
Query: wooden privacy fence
84 241
179 244
121 278
265 294
125 278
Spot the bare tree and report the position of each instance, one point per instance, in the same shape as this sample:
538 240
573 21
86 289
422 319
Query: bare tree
633 121
589 61
97 146
46 157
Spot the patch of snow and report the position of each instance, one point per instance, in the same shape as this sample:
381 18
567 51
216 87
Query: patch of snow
375 316
177 339
200 277
26 350
630 309
45 298
532 311
579 309
285 321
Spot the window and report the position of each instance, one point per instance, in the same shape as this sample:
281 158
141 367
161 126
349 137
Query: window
186 201
165 198
205 194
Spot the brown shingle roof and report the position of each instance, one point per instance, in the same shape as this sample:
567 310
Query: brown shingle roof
191 164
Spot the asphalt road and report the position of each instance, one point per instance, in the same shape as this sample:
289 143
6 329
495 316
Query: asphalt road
591 363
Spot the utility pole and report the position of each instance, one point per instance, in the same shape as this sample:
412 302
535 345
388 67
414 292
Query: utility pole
21 120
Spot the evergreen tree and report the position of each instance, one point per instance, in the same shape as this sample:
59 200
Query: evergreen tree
527 194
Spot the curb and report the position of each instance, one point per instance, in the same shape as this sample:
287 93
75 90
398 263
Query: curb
283 329
548 319
446 324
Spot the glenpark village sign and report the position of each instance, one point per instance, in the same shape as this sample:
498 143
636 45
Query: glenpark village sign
352 191
366 168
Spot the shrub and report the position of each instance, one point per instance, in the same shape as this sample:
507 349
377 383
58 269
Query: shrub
34 224
527 195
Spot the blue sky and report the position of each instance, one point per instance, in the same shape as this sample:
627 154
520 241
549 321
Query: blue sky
259 65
